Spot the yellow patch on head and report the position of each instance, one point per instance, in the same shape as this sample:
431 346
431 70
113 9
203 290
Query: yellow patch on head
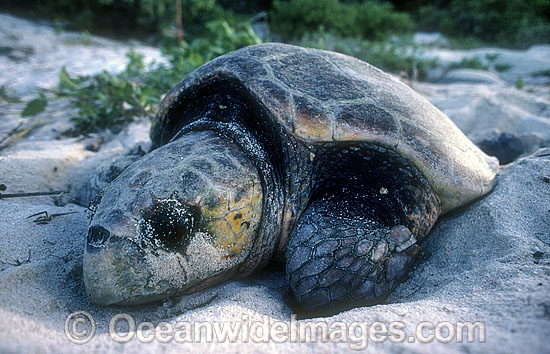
240 219
222 232
233 217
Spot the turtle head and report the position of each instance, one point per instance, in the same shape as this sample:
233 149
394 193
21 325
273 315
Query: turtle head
183 217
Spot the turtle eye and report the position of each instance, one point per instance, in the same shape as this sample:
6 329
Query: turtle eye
169 223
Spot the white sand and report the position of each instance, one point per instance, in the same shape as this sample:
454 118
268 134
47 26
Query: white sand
489 262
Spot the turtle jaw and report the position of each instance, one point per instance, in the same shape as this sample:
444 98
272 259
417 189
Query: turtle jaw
115 270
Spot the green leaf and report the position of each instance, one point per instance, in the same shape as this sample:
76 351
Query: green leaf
519 83
35 106
65 81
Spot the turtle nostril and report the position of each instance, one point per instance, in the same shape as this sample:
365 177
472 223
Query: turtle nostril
169 222
97 236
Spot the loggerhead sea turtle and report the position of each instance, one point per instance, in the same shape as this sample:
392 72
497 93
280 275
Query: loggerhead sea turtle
276 152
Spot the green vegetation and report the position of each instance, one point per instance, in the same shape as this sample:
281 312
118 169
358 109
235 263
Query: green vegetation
123 17
503 67
388 56
469 63
543 73
110 101
491 57
35 106
369 20
509 23
376 31
519 83
6 96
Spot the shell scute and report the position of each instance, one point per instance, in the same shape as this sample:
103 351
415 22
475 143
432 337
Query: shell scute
325 97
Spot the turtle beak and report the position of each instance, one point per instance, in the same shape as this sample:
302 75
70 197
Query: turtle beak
115 270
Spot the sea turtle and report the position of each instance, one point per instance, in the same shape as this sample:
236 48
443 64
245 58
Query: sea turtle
277 152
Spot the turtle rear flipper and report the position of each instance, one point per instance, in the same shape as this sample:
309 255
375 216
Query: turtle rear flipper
360 232
338 258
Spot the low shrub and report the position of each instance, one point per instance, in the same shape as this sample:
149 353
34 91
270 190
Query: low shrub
109 101
387 55
368 20
509 23
124 17
469 63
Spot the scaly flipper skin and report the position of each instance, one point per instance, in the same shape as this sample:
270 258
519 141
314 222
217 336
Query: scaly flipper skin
337 258
357 238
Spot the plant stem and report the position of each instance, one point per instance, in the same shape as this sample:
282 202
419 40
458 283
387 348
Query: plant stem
32 194
179 23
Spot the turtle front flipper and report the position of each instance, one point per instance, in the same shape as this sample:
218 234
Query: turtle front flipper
338 258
